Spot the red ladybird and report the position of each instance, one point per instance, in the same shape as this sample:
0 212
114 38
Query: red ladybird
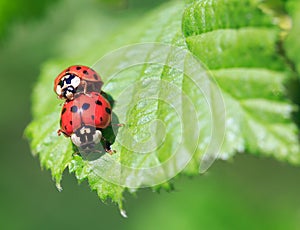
77 79
83 117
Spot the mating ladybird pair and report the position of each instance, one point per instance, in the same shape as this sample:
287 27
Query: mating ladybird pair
86 112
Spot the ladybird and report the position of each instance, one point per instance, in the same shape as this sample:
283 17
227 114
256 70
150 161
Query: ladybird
77 79
83 118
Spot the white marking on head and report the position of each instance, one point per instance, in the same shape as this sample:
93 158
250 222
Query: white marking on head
58 90
97 137
84 130
75 82
76 140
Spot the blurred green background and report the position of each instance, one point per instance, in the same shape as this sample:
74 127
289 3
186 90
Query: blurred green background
246 193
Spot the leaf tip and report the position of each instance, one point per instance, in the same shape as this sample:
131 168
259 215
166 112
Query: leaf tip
58 186
123 213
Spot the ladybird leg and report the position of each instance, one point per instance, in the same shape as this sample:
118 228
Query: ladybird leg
107 147
84 84
110 152
59 132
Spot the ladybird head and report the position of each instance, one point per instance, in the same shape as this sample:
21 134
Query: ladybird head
67 86
86 137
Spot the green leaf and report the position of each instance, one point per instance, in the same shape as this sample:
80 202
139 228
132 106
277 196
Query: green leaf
43 133
205 16
171 106
233 48
240 47
292 41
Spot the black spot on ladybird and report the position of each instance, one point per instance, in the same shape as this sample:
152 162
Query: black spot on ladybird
98 102
93 117
108 110
95 76
71 123
101 119
61 83
63 111
85 106
78 68
69 79
74 109
85 72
